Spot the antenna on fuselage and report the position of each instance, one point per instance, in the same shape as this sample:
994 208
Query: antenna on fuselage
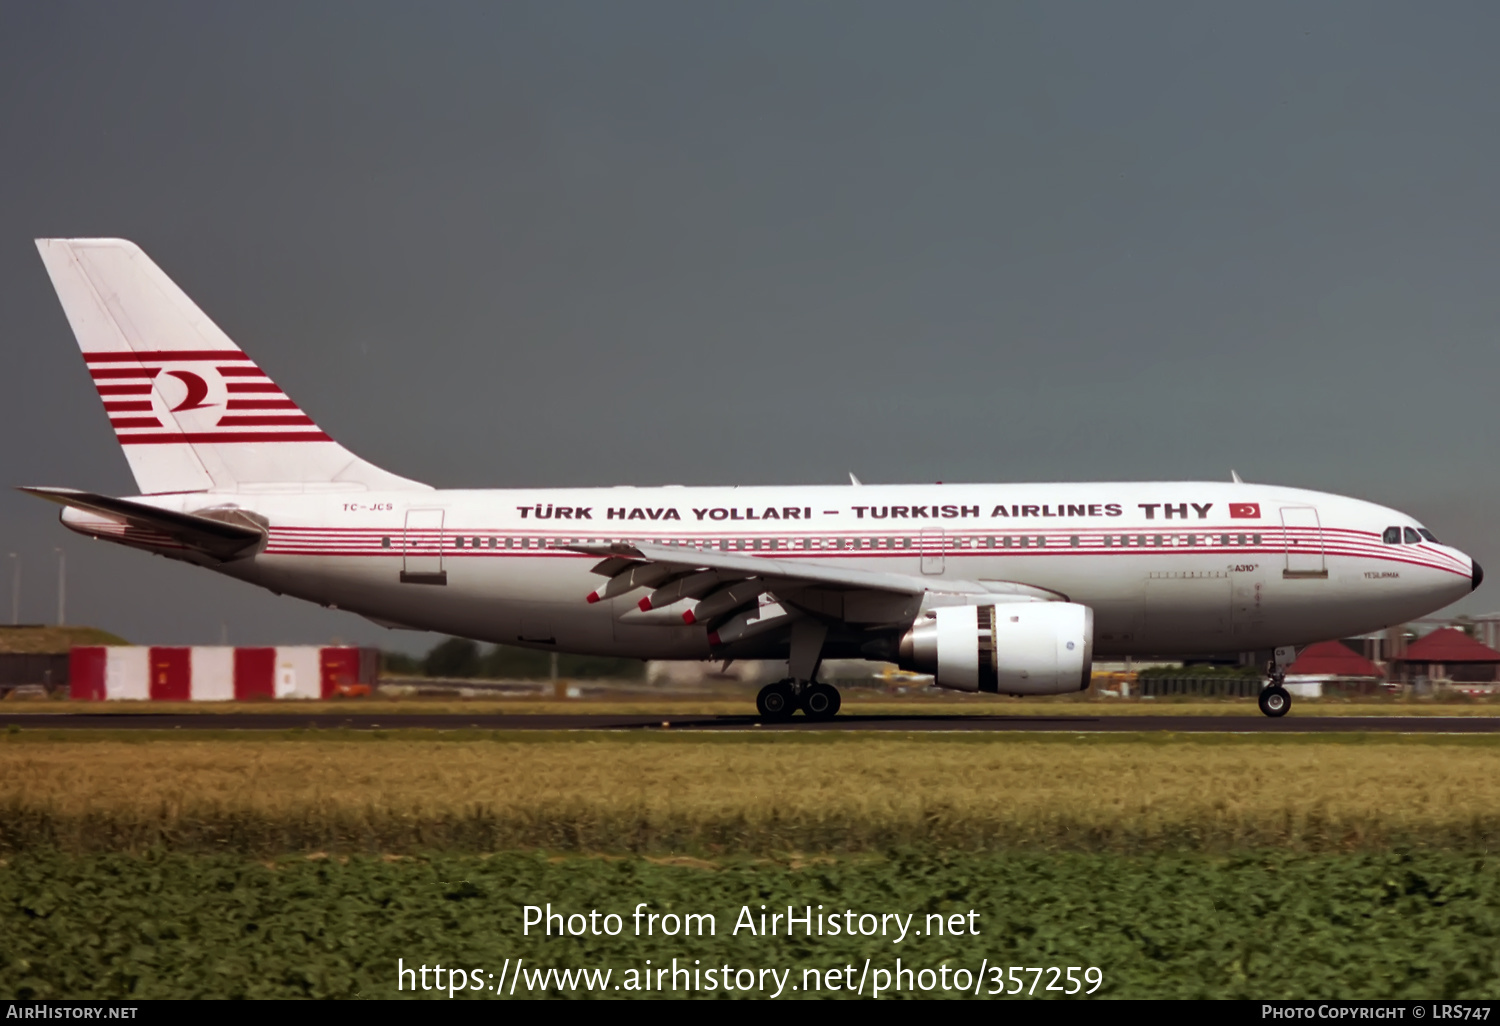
1235 477
856 482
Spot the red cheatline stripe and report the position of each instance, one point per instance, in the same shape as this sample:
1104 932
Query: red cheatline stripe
216 437
133 422
166 356
128 406
261 404
245 386
270 420
241 372
125 389
98 373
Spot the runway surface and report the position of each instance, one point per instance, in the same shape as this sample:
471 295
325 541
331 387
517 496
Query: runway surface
1292 724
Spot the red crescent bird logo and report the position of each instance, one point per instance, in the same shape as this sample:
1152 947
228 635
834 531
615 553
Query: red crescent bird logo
197 388
1244 510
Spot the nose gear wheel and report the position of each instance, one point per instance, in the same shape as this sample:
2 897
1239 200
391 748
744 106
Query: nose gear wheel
1275 700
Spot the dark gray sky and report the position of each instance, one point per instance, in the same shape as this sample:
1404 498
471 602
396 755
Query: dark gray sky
572 244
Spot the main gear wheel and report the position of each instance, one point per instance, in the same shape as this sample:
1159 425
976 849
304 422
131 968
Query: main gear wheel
820 701
776 702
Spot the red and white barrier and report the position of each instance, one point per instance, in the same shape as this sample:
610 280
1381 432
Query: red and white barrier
217 674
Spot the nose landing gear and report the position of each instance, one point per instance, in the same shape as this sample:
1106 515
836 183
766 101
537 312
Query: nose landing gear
1275 699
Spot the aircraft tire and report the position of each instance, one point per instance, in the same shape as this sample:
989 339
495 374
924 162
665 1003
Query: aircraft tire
776 701
1275 700
821 701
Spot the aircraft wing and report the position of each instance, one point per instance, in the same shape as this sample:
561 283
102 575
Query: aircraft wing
705 586
221 534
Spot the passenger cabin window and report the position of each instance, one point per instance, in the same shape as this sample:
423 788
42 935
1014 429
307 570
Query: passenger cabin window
1392 536
1412 537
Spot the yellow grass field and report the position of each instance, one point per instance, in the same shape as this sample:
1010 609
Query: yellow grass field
664 793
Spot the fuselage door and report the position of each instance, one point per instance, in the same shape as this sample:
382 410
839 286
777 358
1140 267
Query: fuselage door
932 541
1302 538
422 548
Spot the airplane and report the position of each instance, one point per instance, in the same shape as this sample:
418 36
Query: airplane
1009 589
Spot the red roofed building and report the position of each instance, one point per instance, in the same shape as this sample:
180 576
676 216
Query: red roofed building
1449 654
1332 665
1333 659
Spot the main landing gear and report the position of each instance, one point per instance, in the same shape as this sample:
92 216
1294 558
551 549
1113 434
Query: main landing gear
780 701
1275 699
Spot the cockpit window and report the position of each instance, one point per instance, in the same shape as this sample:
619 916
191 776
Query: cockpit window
1392 536
1428 535
1412 537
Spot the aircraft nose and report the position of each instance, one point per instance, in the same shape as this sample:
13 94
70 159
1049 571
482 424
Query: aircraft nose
1478 575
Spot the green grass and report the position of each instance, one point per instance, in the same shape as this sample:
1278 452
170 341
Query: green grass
1260 925
35 639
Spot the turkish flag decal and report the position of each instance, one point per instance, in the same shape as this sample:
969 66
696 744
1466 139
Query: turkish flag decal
1244 510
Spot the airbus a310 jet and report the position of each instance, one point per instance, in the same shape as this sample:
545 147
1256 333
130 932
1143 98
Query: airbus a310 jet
1010 589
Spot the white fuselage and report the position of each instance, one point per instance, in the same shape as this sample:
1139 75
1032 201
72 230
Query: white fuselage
1168 568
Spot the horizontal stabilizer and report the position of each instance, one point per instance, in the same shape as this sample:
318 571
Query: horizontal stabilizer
228 533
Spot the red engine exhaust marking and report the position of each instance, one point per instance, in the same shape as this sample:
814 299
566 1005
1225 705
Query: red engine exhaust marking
645 604
713 638
688 617
593 597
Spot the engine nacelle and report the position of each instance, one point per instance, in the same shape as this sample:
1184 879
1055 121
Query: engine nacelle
1020 648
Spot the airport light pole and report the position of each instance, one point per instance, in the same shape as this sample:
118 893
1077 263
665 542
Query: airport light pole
15 591
62 585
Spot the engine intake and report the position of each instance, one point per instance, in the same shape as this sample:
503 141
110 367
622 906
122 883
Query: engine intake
1021 648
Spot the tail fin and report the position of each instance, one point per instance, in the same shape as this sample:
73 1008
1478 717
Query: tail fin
191 410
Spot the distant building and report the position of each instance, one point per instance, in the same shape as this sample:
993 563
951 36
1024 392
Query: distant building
1447 654
1332 666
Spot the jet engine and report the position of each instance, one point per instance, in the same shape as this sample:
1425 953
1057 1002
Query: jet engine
1020 648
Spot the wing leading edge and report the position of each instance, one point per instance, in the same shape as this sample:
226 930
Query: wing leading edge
737 595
